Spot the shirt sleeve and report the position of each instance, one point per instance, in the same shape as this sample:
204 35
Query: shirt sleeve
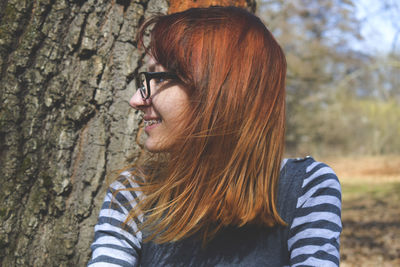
116 243
315 230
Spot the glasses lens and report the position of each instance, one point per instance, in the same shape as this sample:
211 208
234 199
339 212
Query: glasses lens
141 84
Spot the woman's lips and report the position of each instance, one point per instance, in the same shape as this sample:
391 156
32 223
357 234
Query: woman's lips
151 123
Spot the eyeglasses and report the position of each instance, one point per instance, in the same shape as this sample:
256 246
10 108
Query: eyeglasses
143 81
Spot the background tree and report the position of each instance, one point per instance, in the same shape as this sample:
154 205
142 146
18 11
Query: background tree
65 125
340 100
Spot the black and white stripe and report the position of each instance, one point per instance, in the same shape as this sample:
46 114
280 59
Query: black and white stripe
313 236
316 227
116 244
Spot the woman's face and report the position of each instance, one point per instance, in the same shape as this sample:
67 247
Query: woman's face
163 111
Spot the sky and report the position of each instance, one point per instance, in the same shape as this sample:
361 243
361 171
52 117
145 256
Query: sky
378 27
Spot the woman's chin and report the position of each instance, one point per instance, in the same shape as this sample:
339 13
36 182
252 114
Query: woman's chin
155 147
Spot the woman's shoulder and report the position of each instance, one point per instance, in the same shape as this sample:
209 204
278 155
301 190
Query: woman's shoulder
124 190
314 176
308 168
308 175
127 180
303 180
315 213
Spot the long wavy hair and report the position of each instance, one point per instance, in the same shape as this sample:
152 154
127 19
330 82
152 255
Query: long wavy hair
224 169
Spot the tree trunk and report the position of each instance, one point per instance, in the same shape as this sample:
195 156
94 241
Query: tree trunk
65 124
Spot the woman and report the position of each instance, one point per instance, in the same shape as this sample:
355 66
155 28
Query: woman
214 101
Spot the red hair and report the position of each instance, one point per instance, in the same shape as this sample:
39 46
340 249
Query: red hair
225 168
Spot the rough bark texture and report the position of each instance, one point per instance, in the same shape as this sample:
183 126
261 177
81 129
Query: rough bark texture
65 125
66 76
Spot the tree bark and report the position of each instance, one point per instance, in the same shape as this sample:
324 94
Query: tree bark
67 71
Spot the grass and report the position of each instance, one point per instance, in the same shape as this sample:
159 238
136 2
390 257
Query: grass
370 210
376 191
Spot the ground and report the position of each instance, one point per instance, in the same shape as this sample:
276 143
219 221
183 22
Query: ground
370 210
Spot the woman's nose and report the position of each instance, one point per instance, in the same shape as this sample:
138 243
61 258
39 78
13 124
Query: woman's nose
137 102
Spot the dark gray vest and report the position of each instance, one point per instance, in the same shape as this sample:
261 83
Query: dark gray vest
246 246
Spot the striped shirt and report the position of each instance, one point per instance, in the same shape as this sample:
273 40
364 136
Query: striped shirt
313 235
